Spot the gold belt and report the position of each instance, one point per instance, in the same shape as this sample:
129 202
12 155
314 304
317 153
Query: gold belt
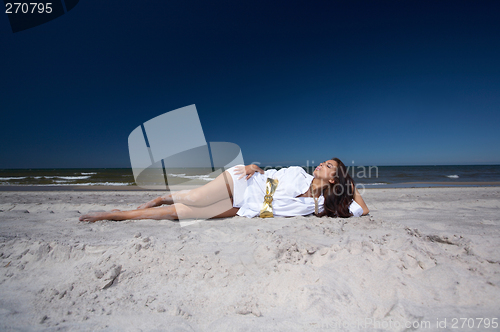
267 208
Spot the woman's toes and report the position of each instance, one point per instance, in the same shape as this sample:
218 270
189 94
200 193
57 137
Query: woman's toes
93 217
85 217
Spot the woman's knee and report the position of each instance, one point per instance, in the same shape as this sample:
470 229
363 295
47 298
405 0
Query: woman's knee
180 211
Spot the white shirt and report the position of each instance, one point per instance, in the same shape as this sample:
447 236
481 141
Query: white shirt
293 182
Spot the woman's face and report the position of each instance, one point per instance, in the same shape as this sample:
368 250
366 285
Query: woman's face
326 171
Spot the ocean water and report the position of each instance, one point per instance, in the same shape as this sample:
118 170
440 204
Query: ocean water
408 176
369 176
93 177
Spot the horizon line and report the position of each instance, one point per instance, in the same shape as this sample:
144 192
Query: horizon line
401 165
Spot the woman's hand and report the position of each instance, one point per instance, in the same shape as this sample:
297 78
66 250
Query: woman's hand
247 170
358 199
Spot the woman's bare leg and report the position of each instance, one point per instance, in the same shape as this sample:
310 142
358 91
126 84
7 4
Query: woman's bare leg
220 209
164 212
214 191
154 202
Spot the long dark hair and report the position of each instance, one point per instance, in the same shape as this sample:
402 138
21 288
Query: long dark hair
339 195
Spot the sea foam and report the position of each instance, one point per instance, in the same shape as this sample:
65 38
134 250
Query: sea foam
192 177
74 177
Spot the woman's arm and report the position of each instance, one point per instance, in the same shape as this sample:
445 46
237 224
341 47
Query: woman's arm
358 199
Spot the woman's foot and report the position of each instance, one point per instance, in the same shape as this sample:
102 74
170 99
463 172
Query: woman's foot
95 216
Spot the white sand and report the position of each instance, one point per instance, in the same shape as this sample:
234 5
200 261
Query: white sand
422 255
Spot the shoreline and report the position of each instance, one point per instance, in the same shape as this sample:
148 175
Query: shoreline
136 188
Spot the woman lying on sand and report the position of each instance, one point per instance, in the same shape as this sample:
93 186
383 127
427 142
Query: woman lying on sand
330 191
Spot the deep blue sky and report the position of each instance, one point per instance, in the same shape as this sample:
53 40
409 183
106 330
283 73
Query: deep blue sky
374 82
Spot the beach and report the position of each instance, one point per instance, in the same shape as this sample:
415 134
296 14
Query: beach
423 259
